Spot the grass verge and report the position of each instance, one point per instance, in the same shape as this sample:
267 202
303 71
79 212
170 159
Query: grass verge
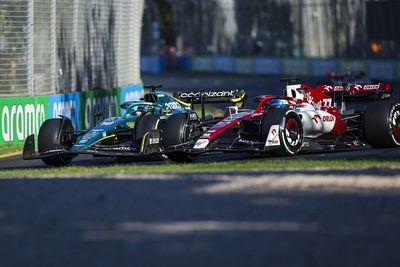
8 149
228 166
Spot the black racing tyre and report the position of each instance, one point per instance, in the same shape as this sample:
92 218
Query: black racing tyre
290 131
382 124
51 136
144 125
174 133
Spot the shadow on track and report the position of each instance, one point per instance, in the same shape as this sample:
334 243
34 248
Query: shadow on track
174 221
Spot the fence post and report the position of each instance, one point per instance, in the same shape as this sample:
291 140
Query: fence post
53 45
75 25
30 48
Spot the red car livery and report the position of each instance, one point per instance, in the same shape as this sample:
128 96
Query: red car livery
304 118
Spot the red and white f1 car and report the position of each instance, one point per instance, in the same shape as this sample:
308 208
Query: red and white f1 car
326 117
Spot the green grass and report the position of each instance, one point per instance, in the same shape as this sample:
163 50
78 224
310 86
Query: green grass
228 166
7 149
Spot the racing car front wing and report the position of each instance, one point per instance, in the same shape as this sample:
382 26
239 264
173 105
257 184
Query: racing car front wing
149 145
239 145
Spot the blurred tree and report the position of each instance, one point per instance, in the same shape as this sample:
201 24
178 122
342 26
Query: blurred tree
166 22
282 28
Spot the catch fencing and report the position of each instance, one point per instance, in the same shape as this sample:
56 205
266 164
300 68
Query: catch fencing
60 46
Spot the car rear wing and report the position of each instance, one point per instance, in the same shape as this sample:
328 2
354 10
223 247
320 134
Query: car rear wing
209 96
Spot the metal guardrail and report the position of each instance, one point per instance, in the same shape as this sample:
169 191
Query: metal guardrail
58 46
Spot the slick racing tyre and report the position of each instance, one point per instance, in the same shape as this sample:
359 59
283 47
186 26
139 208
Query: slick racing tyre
174 132
382 124
51 136
144 125
290 131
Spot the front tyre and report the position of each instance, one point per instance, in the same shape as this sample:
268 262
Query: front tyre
53 134
175 132
290 131
382 124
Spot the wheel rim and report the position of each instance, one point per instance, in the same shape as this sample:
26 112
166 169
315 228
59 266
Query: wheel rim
292 132
395 125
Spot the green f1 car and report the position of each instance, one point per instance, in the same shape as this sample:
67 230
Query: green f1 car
136 133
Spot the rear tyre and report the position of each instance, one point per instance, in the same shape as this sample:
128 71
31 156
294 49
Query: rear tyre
175 133
290 131
51 136
382 124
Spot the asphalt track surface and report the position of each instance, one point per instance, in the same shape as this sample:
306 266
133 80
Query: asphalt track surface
254 218
17 163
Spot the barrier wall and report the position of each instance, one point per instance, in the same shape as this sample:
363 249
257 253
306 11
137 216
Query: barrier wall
22 116
388 70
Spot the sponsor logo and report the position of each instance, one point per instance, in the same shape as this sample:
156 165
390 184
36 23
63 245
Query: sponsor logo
22 120
201 143
328 118
371 87
273 142
192 116
245 141
107 123
209 94
123 148
172 105
273 136
153 141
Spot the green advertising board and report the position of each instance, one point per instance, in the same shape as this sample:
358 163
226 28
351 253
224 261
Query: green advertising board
21 116
96 102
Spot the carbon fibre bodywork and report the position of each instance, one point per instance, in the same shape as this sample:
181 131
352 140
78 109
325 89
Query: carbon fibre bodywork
304 118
